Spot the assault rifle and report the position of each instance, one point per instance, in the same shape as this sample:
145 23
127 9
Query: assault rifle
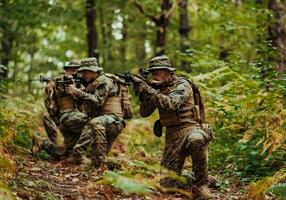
129 77
72 80
42 79
66 80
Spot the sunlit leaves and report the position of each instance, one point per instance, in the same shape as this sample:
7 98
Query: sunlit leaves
125 184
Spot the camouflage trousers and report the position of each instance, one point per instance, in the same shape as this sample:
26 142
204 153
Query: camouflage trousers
190 141
98 136
51 128
71 125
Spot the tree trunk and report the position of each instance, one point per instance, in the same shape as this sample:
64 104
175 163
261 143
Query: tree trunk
140 47
161 22
103 25
6 44
277 33
92 37
123 47
109 40
30 73
184 30
238 2
161 28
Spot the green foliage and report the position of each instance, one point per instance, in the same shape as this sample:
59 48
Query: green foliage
279 190
5 193
259 189
16 129
7 165
249 123
126 184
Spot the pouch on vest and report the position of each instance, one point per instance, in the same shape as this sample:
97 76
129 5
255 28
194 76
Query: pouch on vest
208 130
157 128
125 96
51 103
67 103
126 102
199 110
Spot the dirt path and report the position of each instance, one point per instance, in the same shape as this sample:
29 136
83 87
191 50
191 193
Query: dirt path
40 179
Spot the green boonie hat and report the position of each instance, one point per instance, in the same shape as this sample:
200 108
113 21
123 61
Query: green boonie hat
89 64
161 62
72 64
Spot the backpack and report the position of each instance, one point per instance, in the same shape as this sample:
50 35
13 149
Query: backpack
199 109
51 102
125 97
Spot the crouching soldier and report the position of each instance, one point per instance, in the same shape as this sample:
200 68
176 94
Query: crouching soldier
64 113
179 113
102 101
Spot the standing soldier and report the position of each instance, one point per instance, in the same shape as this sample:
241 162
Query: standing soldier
63 112
174 98
102 101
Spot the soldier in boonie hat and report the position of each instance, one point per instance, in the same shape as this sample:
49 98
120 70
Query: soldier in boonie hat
161 62
90 64
73 64
71 67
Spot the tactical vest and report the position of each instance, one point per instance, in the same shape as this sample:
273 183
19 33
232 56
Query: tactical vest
66 103
51 102
189 111
124 96
112 104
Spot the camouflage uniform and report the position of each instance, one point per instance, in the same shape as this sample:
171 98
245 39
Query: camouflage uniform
63 114
184 137
103 106
51 121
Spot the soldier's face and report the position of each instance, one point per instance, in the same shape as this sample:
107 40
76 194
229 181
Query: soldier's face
161 75
70 70
89 76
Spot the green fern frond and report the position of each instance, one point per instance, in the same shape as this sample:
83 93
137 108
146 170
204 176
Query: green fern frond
279 190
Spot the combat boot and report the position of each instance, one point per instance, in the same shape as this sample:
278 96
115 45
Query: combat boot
213 182
37 145
75 159
202 193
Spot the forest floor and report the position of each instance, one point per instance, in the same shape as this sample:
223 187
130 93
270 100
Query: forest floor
49 179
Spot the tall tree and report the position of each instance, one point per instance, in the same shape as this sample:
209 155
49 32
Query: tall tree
92 37
161 21
124 32
184 30
7 39
277 32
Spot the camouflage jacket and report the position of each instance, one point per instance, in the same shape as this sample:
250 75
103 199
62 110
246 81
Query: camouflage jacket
96 94
51 100
54 91
169 99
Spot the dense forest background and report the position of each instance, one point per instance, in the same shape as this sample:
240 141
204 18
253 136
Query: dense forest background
235 50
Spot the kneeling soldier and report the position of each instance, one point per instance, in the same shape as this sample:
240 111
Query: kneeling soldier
173 96
64 112
102 103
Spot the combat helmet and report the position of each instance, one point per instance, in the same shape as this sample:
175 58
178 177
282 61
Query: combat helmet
72 64
90 64
161 62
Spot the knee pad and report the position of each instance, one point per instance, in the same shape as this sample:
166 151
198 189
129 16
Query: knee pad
196 138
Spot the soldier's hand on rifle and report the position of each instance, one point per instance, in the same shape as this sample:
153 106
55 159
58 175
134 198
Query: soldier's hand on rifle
138 86
72 90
